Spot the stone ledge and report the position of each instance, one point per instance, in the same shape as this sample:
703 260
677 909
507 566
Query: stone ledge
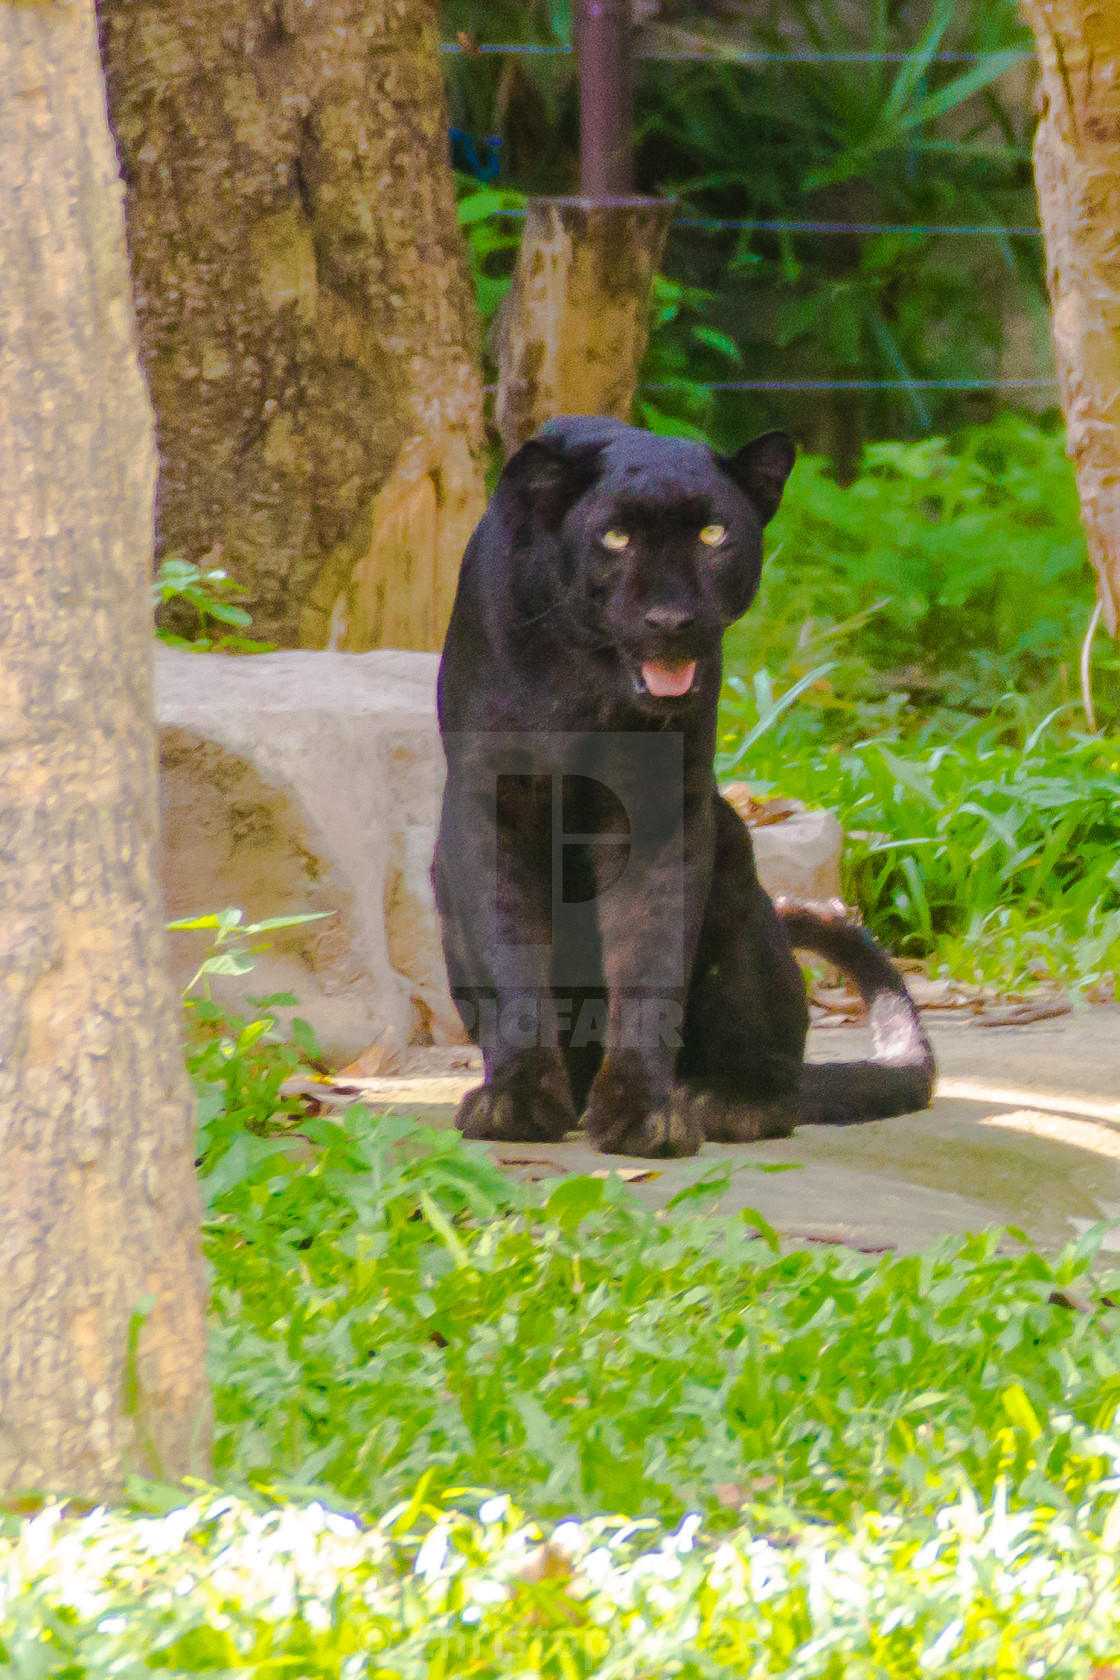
302 782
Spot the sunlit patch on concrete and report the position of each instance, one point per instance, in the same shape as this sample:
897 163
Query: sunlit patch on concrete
1080 1134
980 1090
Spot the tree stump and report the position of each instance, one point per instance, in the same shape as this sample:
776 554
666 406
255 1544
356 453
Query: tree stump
574 326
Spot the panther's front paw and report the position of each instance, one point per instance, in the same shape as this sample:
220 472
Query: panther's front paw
623 1120
509 1111
669 1132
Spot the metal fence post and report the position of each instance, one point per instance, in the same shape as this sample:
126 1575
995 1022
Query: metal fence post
604 49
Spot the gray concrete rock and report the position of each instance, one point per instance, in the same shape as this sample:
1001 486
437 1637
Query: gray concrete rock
299 782
800 857
797 851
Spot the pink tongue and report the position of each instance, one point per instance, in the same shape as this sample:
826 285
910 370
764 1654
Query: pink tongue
665 681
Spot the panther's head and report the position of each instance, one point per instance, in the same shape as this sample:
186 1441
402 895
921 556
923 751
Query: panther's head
654 543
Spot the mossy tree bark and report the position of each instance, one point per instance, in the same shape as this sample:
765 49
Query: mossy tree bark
306 317
1077 169
102 1332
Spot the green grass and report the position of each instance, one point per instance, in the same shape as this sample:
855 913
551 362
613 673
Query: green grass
911 664
427 1593
993 850
567 1437
394 1308
823 1464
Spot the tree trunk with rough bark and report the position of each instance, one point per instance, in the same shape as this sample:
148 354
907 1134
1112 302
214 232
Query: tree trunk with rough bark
306 317
1077 169
102 1296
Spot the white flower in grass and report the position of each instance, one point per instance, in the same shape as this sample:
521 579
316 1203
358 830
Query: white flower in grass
598 1566
433 1550
569 1538
487 1591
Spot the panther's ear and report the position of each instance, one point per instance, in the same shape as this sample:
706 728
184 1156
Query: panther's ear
760 469
552 475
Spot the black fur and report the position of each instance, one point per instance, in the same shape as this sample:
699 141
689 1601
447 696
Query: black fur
555 633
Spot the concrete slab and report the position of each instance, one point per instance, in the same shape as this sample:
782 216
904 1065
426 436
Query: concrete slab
1025 1132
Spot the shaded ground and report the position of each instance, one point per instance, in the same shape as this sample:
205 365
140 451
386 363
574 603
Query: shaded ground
1025 1131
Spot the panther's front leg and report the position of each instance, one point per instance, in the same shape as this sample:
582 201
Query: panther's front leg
649 935
493 894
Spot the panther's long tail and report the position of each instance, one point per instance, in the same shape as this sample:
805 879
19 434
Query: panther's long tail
900 1076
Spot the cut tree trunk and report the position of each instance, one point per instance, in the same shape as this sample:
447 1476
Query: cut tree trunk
574 326
1077 170
306 317
102 1330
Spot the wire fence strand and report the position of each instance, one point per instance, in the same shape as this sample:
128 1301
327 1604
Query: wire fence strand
733 224
717 223
845 385
865 385
730 55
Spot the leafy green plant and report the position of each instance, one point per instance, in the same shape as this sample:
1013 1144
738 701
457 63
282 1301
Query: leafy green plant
992 849
684 351
966 557
491 225
908 666
874 146
228 952
238 1064
204 592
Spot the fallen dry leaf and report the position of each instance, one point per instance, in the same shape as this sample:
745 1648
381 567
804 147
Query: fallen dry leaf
532 1169
1024 1013
628 1175
1066 1298
933 994
759 813
837 998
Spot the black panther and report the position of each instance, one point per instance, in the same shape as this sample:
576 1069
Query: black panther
585 641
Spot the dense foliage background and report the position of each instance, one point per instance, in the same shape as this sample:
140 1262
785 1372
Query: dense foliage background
934 136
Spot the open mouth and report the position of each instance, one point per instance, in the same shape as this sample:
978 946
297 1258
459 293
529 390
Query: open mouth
667 681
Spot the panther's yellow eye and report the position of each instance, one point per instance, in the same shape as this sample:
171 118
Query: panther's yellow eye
615 540
712 535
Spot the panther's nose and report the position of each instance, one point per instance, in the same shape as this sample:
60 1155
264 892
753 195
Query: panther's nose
669 619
